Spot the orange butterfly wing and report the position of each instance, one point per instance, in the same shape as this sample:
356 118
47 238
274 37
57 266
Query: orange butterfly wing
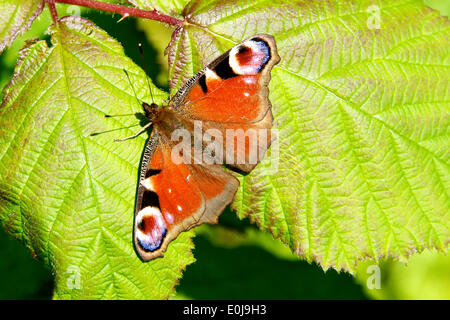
230 94
174 197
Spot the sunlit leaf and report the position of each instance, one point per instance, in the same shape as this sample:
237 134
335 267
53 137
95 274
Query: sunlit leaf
67 195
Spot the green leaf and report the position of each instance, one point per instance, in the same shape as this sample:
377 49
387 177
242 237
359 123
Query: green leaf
67 195
363 119
16 17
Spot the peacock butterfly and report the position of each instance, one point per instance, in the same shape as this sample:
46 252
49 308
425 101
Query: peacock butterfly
223 115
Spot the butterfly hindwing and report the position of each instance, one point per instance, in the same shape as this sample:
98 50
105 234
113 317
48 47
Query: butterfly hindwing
174 197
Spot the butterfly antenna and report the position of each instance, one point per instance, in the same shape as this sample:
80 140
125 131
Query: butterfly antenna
132 87
106 131
128 114
121 115
145 69
135 95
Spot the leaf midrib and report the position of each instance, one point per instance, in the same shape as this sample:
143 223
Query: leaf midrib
86 161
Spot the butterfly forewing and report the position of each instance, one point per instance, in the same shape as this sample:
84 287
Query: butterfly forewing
233 88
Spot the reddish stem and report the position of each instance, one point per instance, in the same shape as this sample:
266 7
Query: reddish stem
53 12
125 11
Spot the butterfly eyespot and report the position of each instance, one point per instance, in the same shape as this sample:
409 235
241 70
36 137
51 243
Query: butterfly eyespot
150 229
250 58
243 49
244 56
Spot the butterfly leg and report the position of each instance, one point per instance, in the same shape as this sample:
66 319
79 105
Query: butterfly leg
136 134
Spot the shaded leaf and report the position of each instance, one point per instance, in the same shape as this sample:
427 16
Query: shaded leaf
21 276
242 276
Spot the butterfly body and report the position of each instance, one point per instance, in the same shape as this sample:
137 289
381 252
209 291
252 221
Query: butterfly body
152 112
179 187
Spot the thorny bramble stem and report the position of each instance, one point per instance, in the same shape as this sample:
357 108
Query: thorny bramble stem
123 10
53 12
